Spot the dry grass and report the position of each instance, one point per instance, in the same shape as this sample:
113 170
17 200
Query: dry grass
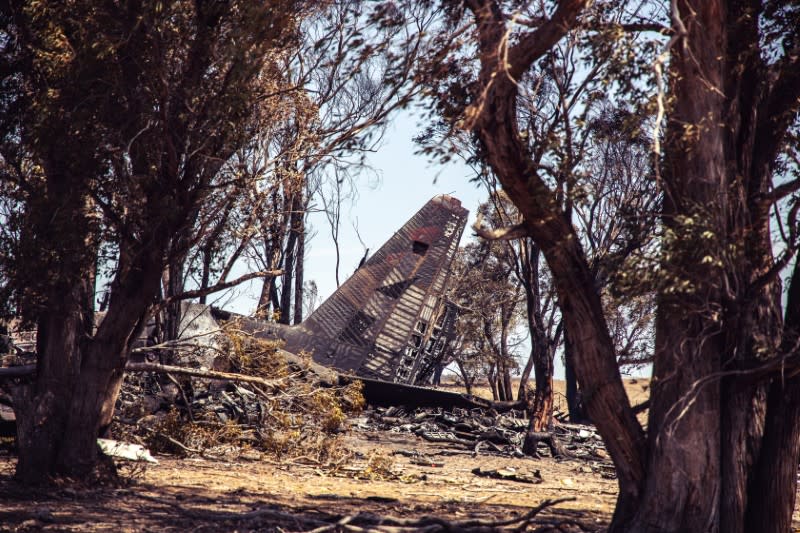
298 418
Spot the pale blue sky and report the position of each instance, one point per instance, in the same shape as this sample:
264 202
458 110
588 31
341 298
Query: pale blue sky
406 181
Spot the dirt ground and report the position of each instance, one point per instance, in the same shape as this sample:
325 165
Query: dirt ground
253 493
202 495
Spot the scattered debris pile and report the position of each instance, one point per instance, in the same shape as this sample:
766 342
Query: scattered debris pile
290 413
486 431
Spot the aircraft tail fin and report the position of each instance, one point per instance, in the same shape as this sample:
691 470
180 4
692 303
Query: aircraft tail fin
390 320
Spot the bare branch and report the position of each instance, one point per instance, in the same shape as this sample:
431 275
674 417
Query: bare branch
187 295
508 233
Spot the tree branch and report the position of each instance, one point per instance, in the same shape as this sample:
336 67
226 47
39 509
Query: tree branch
533 45
517 231
187 295
779 109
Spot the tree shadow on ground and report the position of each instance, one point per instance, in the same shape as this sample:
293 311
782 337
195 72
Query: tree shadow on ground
145 507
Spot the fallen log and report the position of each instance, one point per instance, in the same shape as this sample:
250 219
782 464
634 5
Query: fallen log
11 372
201 373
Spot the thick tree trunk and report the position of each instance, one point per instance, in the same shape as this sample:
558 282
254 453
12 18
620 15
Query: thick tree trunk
773 488
42 407
683 486
79 371
92 405
63 249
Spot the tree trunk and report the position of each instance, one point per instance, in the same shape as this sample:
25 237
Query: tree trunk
773 486
206 275
577 413
62 224
299 272
492 378
172 311
542 415
524 378
274 232
79 371
42 408
540 408
465 377
682 491
505 380
290 255
268 291
496 125
102 369
712 460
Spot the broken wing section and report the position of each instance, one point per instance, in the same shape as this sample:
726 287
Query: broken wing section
390 320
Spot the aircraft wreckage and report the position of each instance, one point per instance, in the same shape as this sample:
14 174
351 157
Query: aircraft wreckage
389 320
388 325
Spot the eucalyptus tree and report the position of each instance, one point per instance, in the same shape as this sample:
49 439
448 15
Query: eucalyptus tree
116 120
720 450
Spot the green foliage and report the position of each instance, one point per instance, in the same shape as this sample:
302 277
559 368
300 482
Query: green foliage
118 118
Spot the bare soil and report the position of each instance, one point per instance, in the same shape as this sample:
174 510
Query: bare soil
202 495
255 493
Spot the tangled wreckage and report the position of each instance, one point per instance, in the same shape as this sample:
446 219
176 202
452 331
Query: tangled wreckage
388 325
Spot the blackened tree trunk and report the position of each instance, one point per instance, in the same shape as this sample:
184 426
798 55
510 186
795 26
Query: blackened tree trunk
290 254
269 294
206 258
172 310
577 413
299 280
